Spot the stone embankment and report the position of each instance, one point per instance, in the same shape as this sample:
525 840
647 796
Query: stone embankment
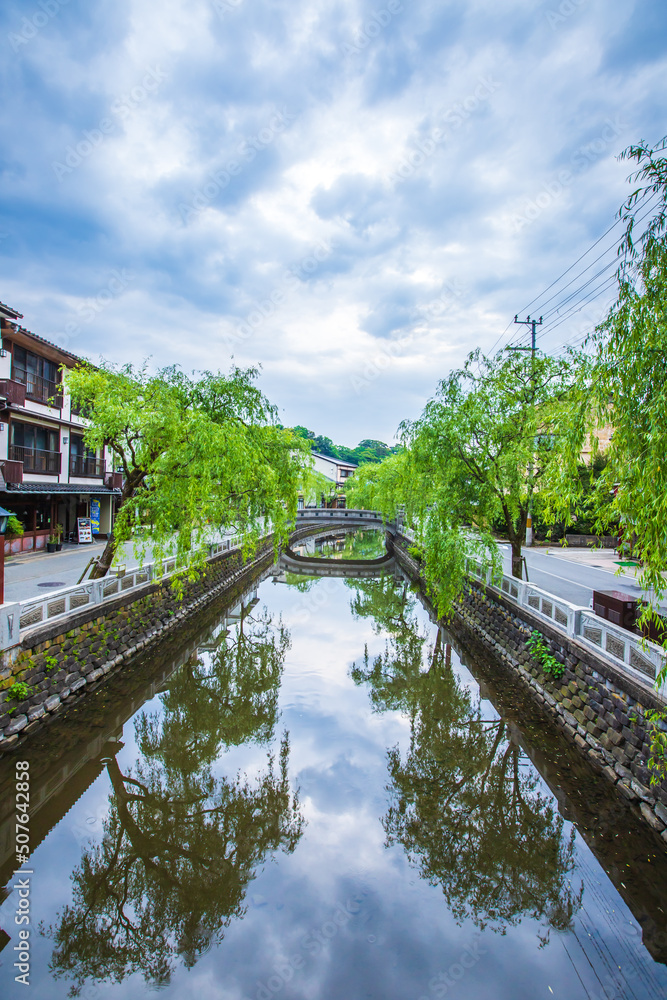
60 662
600 709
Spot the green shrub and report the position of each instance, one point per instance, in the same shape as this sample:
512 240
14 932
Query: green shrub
18 690
549 665
14 526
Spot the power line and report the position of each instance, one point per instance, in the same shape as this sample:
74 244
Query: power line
581 288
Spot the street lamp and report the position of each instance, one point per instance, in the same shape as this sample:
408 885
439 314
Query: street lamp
4 517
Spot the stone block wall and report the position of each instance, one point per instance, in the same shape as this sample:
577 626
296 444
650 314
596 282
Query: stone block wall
600 708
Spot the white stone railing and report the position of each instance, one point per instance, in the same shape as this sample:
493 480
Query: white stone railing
20 616
640 659
339 514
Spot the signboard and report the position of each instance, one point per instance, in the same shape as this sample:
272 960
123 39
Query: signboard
95 515
84 529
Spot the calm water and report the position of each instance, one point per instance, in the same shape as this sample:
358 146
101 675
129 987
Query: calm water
315 797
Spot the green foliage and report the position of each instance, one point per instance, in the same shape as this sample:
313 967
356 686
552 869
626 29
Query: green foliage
19 690
368 450
14 526
197 453
657 762
465 467
549 665
625 386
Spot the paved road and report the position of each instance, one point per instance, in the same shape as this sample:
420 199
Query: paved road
570 578
24 574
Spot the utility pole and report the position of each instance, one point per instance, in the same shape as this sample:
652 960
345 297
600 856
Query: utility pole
533 324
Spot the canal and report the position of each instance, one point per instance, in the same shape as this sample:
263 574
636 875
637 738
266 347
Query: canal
317 793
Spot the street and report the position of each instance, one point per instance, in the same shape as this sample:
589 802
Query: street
573 574
30 575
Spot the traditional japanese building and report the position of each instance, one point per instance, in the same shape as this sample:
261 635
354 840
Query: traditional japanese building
47 474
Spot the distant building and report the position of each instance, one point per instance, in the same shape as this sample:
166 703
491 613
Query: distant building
603 436
47 474
333 468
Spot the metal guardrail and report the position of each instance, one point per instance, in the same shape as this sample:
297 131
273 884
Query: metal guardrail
640 659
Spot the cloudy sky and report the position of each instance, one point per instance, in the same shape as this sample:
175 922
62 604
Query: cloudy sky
353 193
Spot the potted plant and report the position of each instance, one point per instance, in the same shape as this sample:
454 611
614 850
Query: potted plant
59 537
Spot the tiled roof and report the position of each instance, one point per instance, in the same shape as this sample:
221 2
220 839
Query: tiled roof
337 461
13 313
50 343
70 488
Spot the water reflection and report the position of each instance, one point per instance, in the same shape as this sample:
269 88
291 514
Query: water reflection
470 817
424 811
367 544
180 844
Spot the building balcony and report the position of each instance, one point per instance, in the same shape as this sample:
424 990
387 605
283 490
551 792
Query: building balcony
12 391
82 465
36 460
42 390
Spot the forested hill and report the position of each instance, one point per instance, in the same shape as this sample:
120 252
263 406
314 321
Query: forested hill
366 451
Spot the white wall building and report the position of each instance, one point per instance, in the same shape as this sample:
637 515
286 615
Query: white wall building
333 468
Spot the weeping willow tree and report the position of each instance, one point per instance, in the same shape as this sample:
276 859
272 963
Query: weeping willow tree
475 458
197 454
626 384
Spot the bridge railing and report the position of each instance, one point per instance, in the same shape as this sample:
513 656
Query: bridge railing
340 514
18 617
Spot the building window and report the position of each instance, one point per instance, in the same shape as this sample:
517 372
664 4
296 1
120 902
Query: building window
36 447
39 376
82 460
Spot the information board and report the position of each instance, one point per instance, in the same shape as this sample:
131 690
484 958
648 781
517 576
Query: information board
84 529
95 515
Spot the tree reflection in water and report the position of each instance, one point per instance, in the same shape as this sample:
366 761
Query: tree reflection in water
181 845
469 815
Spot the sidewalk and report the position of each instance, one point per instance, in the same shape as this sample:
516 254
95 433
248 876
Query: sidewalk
607 559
